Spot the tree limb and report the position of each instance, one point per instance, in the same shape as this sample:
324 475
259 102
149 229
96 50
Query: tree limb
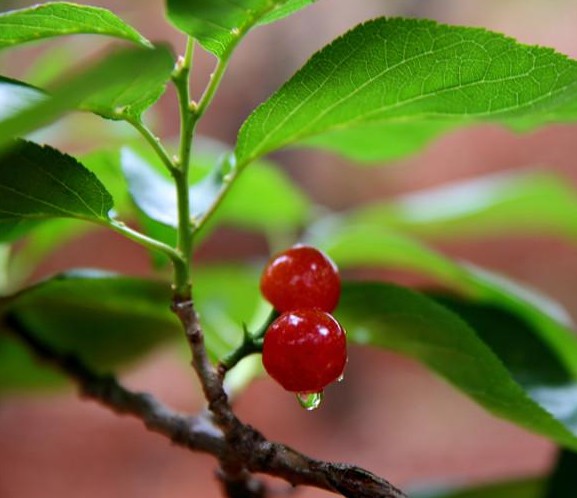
199 433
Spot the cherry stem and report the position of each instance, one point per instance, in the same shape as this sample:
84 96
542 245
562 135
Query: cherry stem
251 344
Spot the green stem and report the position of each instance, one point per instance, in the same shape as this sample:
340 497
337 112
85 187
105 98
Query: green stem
251 343
203 104
213 84
233 176
153 140
190 114
149 243
182 282
181 80
202 220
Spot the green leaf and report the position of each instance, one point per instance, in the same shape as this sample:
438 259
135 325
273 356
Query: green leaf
352 245
15 96
219 25
391 317
12 229
530 202
131 97
60 19
372 142
45 235
41 240
19 371
283 9
109 320
105 164
546 317
410 73
155 194
281 205
105 319
356 245
529 358
561 484
41 182
227 296
285 207
522 488
51 63
105 77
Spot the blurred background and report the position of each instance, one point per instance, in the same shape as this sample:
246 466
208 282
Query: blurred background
390 415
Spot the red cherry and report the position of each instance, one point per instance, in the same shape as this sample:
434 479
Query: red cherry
305 350
301 277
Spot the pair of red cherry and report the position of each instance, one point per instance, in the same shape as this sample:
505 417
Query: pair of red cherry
304 349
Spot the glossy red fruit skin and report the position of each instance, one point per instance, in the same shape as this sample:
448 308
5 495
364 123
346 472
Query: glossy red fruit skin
305 350
301 277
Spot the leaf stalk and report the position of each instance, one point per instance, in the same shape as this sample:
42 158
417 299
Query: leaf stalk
251 343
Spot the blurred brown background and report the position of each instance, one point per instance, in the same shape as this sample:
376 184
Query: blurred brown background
390 415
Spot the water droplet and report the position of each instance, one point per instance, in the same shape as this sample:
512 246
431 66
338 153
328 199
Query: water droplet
235 31
310 401
341 377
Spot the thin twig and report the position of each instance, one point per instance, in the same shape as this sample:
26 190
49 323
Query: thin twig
251 343
196 433
152 140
